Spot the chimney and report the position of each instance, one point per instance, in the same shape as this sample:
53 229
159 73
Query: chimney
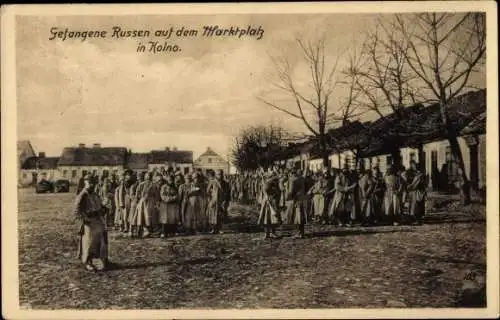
97 145
81 145
41 155
167 149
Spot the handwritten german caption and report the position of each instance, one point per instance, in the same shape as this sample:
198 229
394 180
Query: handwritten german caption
159 40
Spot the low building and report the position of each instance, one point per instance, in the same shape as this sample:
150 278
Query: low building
75 162
24 151
37 168
414 134
171 158
138 162
210 160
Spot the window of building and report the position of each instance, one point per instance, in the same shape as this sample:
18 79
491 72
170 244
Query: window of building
74 173
65 172
105 172
209 160
186 170
389 160
25 175
413 157
94 172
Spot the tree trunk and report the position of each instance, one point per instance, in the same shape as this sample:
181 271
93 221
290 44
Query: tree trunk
457 156
455 151
324 153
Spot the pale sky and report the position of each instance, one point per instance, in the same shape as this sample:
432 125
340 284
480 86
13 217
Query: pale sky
102 90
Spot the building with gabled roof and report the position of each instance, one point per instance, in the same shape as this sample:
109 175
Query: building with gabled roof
37 167
211 160
75 162
138 162
171 158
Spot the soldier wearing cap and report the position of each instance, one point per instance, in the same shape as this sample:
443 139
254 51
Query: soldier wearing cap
93 237
270 216
218 193
295 202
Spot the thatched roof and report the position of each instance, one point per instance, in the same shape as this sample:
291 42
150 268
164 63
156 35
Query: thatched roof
82 156
165 156
138 161
44 163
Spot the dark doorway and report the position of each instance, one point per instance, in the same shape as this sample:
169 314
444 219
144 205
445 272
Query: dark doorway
435 175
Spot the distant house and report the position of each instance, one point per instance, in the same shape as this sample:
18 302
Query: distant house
77 161
39 167
211 160
176 159
24 151
138 162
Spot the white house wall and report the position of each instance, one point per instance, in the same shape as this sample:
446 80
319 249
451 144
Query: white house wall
440 147
181 166
315 165
481 151
66 172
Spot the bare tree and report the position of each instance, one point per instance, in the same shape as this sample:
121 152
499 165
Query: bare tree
257 146
383 81
380 73
443 51
316 108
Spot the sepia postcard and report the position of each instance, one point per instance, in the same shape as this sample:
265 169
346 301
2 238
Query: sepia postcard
231 161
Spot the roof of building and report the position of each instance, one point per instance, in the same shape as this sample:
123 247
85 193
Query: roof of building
351 135
209 153
24 148
165 156
419 125
138 161
101 156
476 126
44 163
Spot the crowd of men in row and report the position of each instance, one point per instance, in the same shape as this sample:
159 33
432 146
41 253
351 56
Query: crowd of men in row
169 202
340 197
164 201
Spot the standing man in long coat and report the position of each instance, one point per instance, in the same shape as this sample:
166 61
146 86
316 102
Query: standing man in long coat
317 192
366 185
354 196
195 204
340 204
392 196
134 199
415 186
120 204
218 201
169 209
295 203
179 183
106 195
270 216
93 237
145 206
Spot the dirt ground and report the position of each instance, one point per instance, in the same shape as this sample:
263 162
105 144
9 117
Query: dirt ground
403 266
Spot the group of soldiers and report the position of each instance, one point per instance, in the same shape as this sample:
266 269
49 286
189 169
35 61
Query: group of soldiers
164 201
169 203
340 197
